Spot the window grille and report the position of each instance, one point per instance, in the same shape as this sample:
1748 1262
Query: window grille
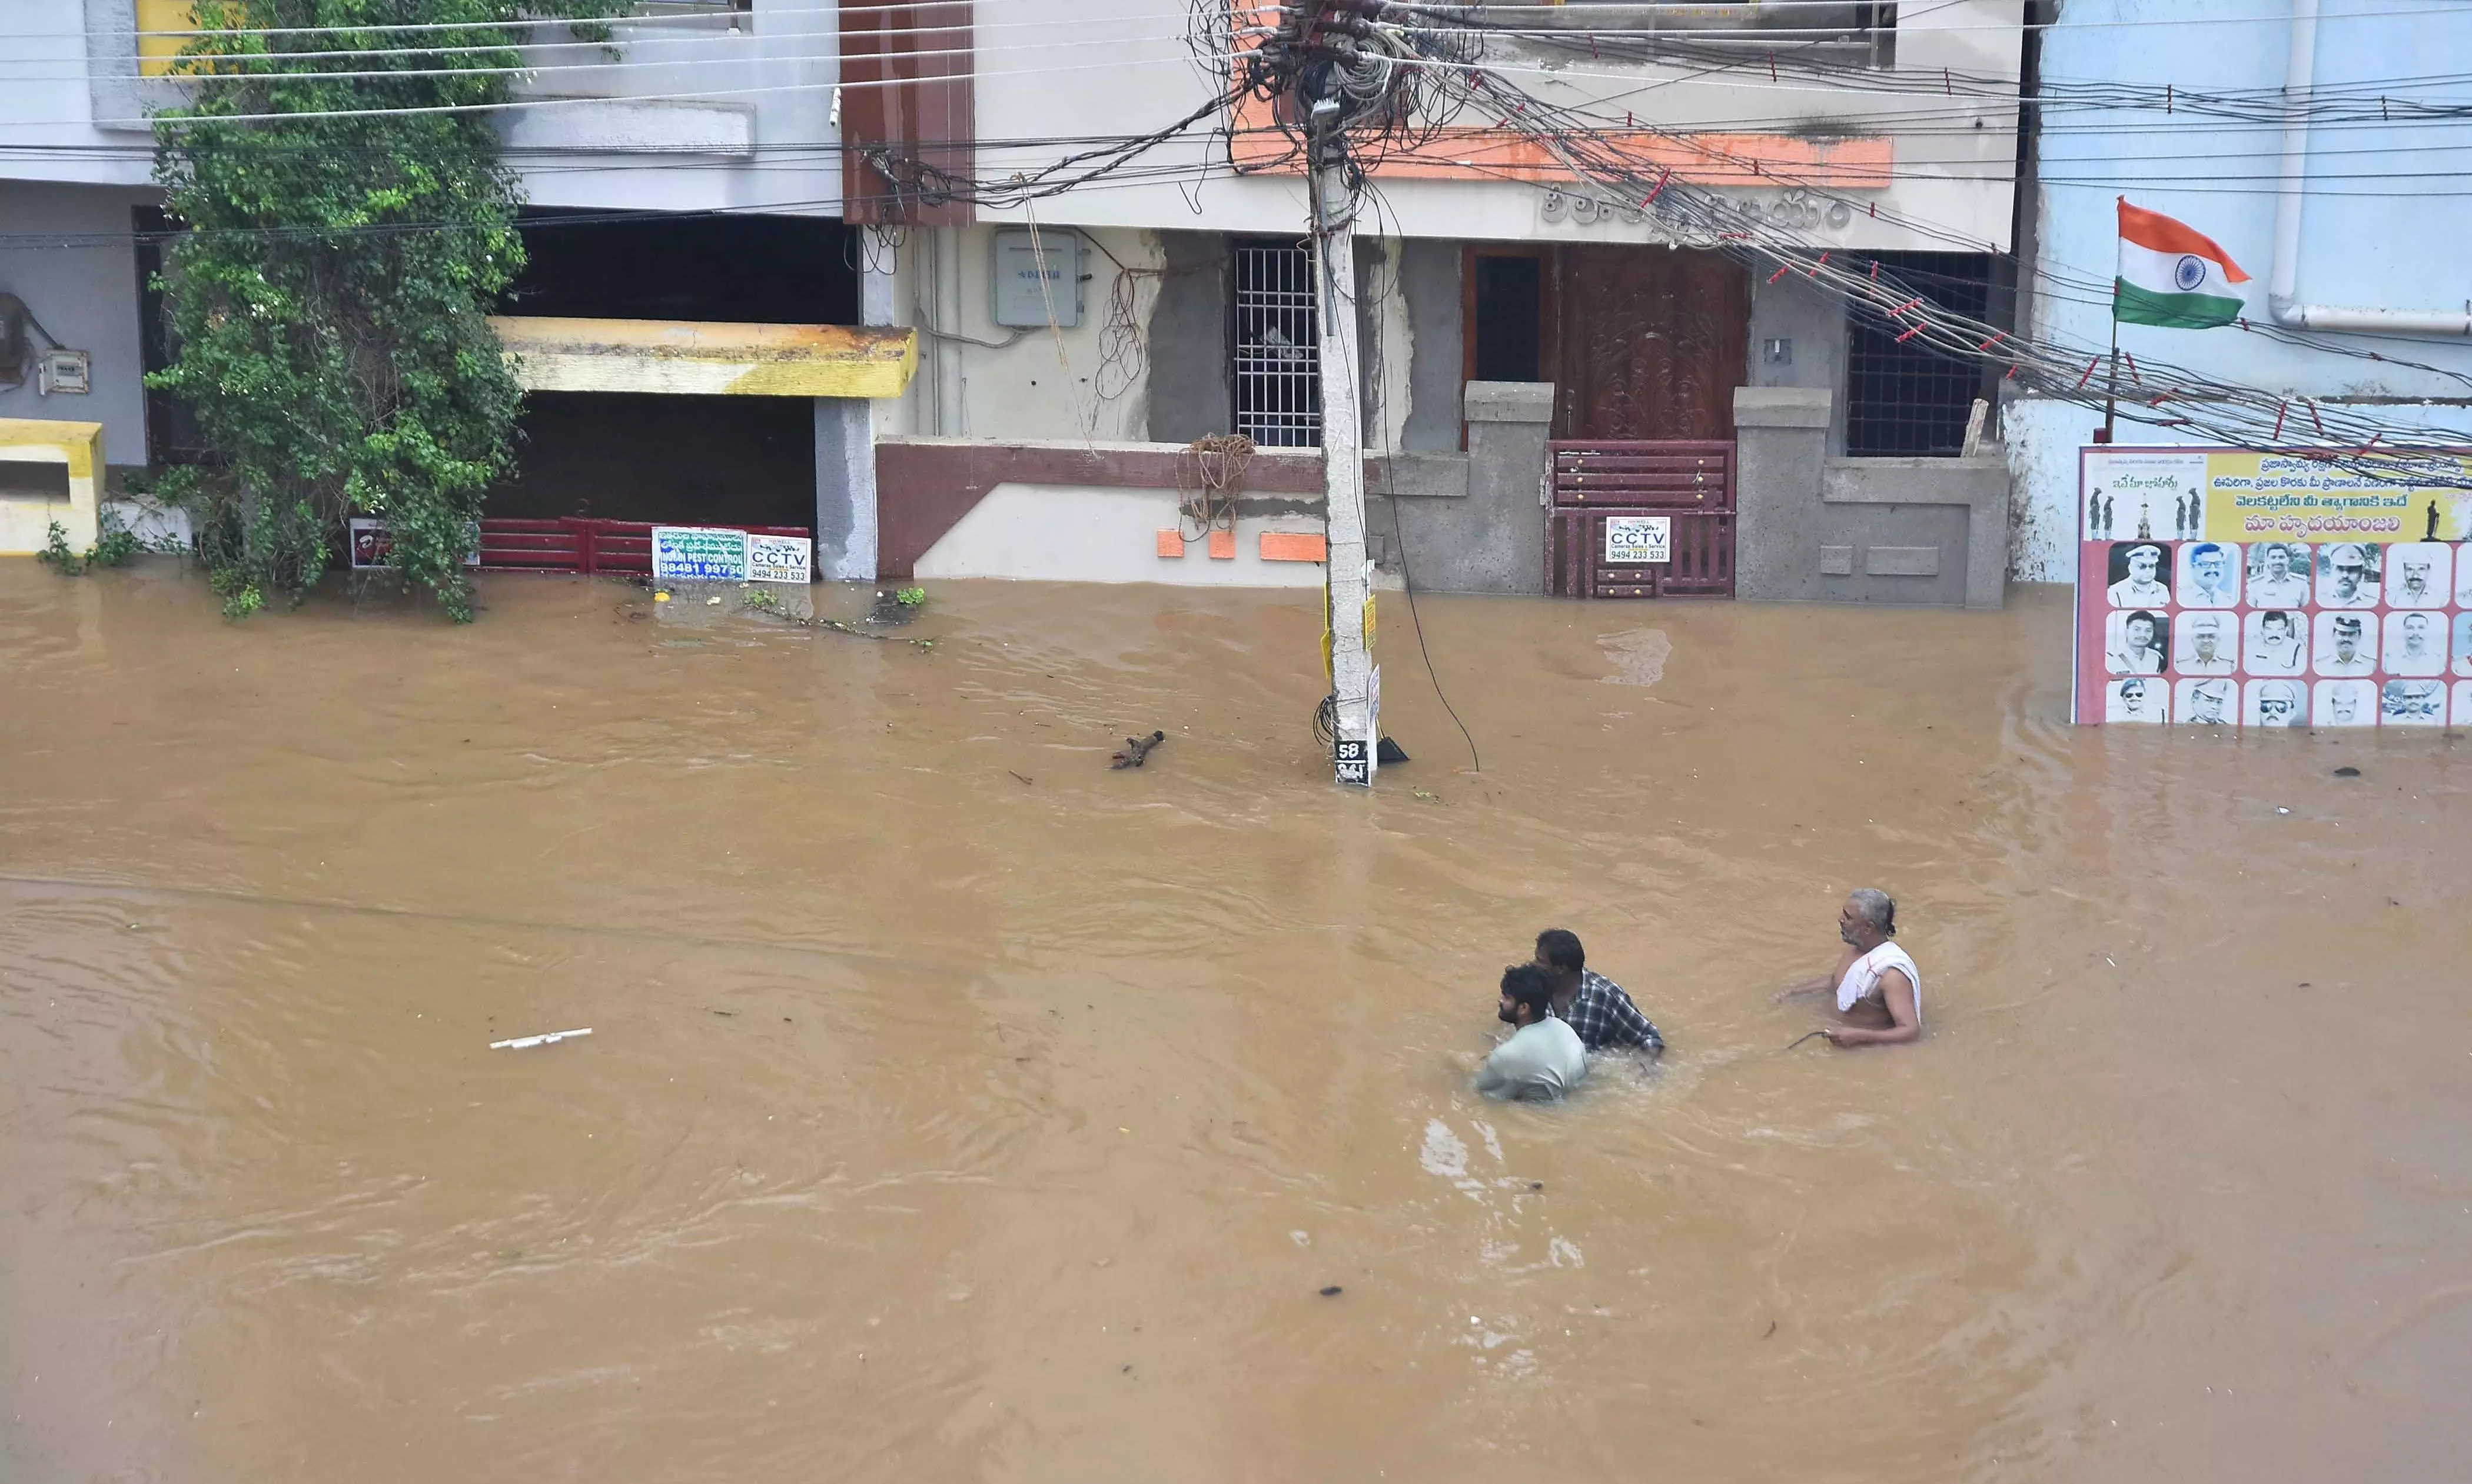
1845 33
1278 380
1910 399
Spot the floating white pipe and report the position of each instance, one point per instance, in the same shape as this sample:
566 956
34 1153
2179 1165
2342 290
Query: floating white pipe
2283 284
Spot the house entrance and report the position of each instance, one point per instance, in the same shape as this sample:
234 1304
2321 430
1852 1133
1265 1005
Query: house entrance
1649 346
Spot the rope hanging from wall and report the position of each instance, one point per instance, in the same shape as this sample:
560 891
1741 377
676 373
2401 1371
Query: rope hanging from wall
1208 472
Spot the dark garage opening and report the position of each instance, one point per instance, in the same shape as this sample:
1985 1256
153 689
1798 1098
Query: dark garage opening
723 460
746 269
672 459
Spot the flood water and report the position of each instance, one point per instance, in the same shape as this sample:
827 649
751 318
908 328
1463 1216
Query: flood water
957 1108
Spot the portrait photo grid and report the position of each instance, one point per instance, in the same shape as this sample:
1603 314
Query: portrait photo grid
2187 631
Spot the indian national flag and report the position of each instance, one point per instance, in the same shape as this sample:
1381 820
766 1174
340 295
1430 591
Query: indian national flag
2170 275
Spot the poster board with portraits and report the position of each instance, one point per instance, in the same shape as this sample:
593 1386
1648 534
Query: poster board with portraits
2219 588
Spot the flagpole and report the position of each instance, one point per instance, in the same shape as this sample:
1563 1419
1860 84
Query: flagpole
2111 392
2111 388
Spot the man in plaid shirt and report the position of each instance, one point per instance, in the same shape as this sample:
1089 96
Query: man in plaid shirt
1593 1005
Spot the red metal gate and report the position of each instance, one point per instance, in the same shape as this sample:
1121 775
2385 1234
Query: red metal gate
577 544
1689 483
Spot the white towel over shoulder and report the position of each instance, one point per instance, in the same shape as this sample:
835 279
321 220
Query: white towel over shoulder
1861 981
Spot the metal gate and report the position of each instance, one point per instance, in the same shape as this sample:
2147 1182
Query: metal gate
577 544
1690 484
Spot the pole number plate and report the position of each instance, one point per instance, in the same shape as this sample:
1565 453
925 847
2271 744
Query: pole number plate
1355 762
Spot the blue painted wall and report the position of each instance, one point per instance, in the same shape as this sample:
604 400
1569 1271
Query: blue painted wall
2387 224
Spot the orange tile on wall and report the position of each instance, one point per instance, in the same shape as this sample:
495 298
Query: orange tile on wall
1294 546
1222 546
1170 545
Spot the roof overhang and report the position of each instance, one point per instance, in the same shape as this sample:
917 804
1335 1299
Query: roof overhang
701 358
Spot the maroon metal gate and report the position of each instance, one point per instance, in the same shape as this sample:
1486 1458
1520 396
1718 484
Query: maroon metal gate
1689 483
577 544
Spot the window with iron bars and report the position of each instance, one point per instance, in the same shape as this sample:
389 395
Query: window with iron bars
1277 346
1844 33
1909 399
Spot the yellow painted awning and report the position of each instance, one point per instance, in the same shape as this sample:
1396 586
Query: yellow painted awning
25 524
704 358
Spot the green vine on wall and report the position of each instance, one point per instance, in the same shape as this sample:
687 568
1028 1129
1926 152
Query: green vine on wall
328 300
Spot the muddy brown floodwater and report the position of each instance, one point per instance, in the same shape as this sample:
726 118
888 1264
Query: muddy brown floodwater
957 1108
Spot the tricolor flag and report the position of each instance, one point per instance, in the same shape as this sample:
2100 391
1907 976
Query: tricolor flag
2171 276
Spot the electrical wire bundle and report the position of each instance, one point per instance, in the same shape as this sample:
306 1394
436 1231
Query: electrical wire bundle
1604 157
1394 77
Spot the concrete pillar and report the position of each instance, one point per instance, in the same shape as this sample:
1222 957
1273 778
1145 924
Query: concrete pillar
1504 538
845 521
876 264
1501 530
1780 456
845 489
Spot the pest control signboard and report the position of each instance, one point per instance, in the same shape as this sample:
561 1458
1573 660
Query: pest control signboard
699 554
1638 540
2240 589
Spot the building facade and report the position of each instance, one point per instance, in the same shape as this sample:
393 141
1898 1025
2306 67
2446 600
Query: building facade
1183 286
683 169
1070 348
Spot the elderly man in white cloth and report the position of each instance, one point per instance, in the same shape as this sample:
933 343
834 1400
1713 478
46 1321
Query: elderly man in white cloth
1878 990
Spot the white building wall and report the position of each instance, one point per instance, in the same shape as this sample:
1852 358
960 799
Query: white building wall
1085 382
48 129
727 112
82 286
675 113
699 113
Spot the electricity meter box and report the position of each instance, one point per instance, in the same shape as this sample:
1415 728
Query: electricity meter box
1037 276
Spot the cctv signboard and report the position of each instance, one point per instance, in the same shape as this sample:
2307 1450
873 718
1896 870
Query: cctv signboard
780 559
2220 587
1638 540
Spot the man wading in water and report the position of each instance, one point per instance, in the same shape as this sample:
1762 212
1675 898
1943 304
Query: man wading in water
1878 990
1542 1060
1594 1004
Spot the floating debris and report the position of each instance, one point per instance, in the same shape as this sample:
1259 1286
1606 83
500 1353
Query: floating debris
1138 750
545 1038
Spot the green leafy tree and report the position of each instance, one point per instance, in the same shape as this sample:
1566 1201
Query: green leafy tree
328 300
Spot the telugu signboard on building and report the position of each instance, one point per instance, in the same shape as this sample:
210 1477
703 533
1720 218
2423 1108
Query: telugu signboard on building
2218 587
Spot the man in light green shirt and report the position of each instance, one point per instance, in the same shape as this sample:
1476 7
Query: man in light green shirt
1543 1059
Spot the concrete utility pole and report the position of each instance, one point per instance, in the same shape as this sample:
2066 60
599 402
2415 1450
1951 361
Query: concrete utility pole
1355 681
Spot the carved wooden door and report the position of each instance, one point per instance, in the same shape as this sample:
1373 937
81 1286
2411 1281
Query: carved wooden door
1653 341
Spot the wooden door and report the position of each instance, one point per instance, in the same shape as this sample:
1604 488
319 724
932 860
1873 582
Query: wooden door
1653 341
